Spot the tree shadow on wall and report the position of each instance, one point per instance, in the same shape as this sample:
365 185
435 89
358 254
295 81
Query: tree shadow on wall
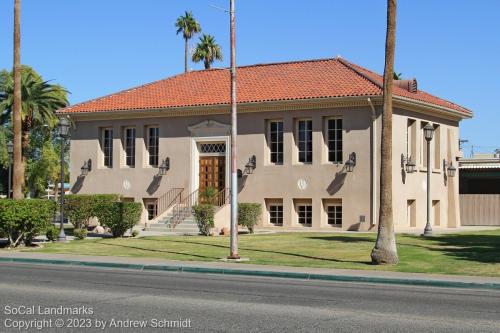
77 186
336 183
154 185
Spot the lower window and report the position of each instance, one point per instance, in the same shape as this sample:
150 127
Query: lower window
305 214
152 210
334 215
276 215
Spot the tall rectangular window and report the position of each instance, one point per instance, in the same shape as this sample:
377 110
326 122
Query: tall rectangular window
334 213
334 138
153 145
107 146
276 141
129 142
304 134
423 150
437 147
411 139
305 214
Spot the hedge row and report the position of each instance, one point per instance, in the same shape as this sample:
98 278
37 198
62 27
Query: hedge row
111 212
22 220
248 216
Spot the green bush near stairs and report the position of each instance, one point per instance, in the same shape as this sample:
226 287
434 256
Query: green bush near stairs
204 216
249 214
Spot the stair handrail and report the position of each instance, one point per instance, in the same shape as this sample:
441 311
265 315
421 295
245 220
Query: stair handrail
183 208
167 200
222 198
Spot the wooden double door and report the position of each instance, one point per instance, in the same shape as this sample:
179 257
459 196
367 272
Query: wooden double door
212 173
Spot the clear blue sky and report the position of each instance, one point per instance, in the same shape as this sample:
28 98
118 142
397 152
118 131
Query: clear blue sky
96 47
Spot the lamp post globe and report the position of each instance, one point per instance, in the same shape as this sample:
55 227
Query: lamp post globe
63 127
428 132
10 148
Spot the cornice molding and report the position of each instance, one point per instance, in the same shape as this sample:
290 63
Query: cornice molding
309 104
273 106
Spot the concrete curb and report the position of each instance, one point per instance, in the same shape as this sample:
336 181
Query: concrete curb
263 273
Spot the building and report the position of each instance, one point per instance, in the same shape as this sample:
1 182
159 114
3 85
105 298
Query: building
308 145
480 190
480 174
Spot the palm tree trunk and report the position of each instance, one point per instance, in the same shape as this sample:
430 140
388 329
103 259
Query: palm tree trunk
385 251
207 64
18 177
186 51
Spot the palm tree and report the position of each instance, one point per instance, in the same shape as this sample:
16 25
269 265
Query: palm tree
385 251
207 50
189 27
18 176
40 100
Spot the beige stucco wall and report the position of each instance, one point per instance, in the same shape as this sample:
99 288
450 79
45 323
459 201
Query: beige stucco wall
325 181
414 186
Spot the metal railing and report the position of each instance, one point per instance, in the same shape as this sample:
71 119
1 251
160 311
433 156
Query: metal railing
168 199
185 208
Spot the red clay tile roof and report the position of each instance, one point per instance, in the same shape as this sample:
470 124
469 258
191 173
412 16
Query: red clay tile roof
257 83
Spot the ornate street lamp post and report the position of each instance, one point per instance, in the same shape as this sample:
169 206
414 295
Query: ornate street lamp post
428 134
63 128
10 150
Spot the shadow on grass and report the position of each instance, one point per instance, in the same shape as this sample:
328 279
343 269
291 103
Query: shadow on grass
262 251
159 251
478 248
344 239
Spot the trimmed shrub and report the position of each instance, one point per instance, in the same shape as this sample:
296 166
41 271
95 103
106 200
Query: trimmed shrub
121 216
209 195
23 220
204 215
80 234
80 208
249 214
52 233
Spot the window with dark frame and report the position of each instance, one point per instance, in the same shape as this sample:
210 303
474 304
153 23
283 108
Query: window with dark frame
334 136
130 147
153 145
276 141
304 132
152 210
276 215
305 214
334 215
107 147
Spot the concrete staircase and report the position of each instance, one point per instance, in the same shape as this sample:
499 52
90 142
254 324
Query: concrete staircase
187 227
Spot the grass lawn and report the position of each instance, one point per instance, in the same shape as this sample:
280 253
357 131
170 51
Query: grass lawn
471 253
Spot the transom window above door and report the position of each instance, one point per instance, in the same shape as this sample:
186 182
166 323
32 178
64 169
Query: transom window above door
212 148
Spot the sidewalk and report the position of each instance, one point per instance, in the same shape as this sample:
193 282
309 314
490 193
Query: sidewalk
232 268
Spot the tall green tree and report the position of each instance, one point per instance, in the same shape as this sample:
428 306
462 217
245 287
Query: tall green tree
385 251
39 101
43 168
207 50
188 26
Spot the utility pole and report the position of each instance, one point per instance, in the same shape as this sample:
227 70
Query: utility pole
18 181
234 132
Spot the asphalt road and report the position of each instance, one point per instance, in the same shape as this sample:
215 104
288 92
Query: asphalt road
121 298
